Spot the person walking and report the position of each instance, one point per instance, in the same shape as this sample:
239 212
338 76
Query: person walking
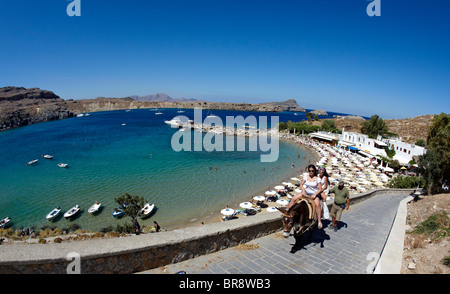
341 202
137 227
157 227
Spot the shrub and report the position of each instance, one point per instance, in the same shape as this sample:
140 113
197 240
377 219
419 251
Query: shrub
446 261
437 225
407 182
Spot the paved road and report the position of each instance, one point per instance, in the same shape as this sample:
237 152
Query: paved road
354 248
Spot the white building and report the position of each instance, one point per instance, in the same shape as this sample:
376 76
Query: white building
404 152
368 147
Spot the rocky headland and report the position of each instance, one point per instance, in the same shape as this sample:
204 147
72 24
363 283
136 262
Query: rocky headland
21 107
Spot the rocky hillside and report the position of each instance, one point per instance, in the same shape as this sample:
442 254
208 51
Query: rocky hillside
408 129
105 104
20 107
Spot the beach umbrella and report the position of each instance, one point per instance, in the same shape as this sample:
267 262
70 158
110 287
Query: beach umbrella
271 209
259 198
227 211
283 202
279 187
271 193
246 205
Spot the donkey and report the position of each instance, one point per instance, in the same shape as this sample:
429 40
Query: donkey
301 218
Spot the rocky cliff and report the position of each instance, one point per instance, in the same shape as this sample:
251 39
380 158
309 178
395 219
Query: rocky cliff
21 107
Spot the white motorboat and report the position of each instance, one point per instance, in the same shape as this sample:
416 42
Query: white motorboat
32 162
95 207
80 114
4 222
118 212
147 209
63 165
174 122
180 111
71 212
158 113
54 213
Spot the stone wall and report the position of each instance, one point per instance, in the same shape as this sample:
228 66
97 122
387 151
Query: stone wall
144 252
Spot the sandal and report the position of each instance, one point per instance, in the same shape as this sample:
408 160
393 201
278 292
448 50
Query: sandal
319 225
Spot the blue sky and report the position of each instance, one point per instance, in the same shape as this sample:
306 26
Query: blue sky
326 54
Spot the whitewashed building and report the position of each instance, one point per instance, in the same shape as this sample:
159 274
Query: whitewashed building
368 147
404 152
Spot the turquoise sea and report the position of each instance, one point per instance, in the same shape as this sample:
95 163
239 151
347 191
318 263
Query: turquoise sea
108 154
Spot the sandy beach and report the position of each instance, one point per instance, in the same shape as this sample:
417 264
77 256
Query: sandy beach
359 173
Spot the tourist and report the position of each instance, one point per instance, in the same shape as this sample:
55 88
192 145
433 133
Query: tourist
341 202
311 188
157 227
137 227
324 179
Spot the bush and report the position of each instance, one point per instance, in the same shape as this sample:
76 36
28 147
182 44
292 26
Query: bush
446 261
126 228
408 182
437 225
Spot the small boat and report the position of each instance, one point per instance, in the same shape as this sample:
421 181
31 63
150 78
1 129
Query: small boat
158 113
175 122
62 164
4 222
54 213
147 209
80 114
118 212
32 162
95 207
46 156
180 111
71 212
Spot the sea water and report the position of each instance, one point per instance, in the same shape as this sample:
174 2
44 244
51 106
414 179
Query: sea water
116 152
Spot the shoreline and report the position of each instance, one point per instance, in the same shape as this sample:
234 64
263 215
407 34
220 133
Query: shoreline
316 152
215 216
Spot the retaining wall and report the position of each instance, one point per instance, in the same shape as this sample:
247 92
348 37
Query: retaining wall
139 253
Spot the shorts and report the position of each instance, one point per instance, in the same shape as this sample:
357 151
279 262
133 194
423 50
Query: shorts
336 211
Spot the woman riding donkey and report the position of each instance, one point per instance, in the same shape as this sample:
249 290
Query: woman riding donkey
312 188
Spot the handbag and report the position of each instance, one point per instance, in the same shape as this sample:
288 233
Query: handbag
326 213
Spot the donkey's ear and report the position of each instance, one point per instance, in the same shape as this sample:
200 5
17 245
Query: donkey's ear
282 210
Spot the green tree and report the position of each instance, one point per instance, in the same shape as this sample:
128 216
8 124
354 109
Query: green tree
329 125
421 143
439 140
429 166
435 163
131 204
374 126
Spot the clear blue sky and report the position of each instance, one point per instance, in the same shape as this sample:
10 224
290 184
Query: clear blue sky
326 54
